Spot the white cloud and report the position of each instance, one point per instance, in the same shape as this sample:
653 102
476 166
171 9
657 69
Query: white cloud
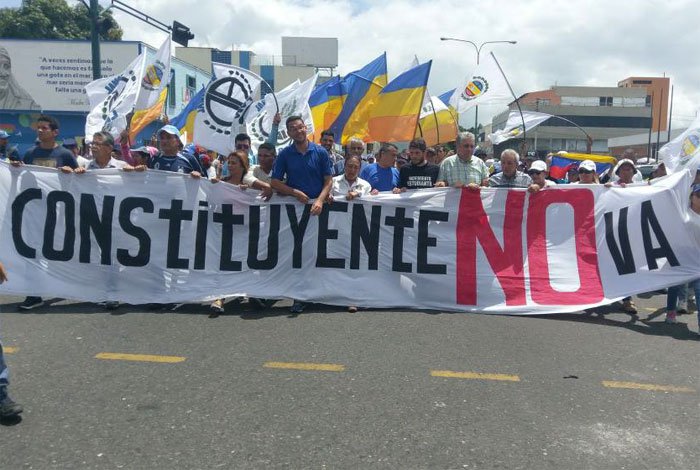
592 42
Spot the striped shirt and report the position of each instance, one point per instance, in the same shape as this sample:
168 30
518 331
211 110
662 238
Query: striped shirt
520 180
454 170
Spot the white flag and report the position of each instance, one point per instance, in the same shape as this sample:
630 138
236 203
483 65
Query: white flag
225 104
514 125
114 97
155 77
683 151
292 101
487 84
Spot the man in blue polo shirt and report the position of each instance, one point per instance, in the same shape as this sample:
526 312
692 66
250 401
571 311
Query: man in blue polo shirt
308 169
306 165
383 175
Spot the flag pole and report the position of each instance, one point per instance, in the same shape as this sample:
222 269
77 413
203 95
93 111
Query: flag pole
437 125
516 102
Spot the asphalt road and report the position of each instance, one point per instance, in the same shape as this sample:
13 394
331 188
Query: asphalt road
331 389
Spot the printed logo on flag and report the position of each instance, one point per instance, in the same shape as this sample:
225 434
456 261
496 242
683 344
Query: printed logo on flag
475 88
115 88
153 76
258 133
222 97
690 146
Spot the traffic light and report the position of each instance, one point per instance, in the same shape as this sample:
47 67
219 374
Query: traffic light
181 33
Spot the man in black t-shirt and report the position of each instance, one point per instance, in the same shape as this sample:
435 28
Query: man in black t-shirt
418 173
47 152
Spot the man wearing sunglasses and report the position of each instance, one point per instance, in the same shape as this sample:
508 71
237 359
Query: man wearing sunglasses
539 173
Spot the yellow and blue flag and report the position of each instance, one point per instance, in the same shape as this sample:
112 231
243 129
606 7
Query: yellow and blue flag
395 112
362 88
326 102
185 120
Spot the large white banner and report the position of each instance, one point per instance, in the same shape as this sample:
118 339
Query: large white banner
166 237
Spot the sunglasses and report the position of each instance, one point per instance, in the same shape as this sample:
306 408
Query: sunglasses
583 171
533 172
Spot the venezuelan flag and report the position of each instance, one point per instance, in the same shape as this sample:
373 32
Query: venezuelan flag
437 124
395 112
363 86
144 117
564 161
185 120
326 102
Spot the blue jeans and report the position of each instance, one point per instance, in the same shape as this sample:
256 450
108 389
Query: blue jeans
673 293
4 376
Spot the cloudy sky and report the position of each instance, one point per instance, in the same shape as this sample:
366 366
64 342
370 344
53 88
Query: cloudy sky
574 42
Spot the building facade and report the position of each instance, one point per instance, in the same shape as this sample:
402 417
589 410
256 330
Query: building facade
657 98
276 75
595 113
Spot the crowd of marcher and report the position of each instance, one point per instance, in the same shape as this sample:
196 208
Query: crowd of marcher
311 172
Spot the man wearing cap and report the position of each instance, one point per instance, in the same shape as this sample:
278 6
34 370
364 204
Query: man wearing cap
462 169
538 172
419 173
624 173
511 177
7 152
171 158
586 173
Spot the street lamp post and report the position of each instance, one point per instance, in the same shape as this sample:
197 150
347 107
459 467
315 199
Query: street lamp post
478 54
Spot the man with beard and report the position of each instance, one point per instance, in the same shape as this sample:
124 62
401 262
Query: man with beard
419 173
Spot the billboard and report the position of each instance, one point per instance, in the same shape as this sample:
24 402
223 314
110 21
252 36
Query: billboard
51 75
311 52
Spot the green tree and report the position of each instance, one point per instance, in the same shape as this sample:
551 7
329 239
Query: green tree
54 19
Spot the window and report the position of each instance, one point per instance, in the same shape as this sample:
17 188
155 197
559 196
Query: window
606 101
641 82
648 101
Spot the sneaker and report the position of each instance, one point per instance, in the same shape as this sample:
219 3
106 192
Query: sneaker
682 306
111 305
297 307
9 409
628 307
30 303
671 316
217 306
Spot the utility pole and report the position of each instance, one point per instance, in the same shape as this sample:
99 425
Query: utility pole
94 12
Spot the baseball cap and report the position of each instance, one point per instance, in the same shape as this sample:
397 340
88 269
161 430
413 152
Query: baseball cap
587 165
402 158
69 143
695 188
4 134
538 165
479 151
170 129
145 149
623 162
